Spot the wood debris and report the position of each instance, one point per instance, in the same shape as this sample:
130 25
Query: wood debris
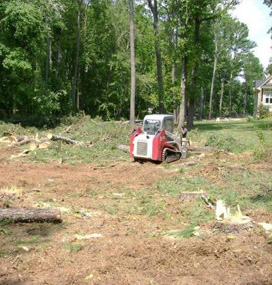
36 142
64 139
124 148
30 215
187 196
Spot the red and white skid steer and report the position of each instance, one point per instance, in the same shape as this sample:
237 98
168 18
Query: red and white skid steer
155 140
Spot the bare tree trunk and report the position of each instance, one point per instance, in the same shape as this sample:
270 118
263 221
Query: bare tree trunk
174 79
245 101
214 74
132 64
83 78
154 10
201 104
182 109
221 96
75 79
48 56
191 113
58 56
230 94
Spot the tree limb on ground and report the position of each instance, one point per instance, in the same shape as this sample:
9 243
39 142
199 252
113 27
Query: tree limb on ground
64 139
124 148
30 215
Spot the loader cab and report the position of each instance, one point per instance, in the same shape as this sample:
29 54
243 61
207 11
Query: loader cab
154 123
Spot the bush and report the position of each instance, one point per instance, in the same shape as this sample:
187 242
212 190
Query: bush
220 141
263 111
263 151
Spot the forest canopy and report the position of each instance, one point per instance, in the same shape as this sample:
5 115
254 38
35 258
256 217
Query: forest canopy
60 57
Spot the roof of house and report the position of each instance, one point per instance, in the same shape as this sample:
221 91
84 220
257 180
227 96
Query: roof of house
259 83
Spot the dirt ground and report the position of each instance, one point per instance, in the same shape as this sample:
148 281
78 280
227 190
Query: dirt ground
97 245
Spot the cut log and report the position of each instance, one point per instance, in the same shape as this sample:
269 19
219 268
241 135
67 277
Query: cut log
44 145
187 196
23 153
24 141
64 139
30 215
4 195
124 148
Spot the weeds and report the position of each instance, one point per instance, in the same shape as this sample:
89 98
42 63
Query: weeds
262 151
224 142
72 247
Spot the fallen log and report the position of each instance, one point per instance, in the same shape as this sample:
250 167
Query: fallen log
30 215
187 196
65 139
124 148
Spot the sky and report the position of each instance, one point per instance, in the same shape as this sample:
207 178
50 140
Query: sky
256 15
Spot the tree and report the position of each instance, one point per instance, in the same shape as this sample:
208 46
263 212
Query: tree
132 63
153 5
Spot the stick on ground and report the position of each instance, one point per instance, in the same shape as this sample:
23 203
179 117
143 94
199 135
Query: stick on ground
30 215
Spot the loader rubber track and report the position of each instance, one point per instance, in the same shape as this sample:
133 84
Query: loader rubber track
170 155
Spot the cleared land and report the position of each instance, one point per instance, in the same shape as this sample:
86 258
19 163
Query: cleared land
125 222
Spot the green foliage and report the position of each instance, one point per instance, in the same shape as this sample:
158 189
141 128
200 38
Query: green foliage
223 142
38 44
72 247
263 111
262 151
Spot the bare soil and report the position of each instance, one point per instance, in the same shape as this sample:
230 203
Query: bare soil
119 247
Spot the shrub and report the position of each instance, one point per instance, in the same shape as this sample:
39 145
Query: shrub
263 111
223 142
263 151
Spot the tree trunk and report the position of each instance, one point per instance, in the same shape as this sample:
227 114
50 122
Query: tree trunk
154 10
75 79
221 96
245 101
230 94
182 109
213 75
191 113
48 56
201 104
132 64
30 215
82 102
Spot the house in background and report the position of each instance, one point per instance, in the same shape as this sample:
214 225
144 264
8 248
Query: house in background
263 94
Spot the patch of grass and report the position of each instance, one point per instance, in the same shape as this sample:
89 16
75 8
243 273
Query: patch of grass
173 186
249 189
110 209
101 138
241 131
34 240
263 150
6 222
72 247
224 142
39 230
4 231
12 190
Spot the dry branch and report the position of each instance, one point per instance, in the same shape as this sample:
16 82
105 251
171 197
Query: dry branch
187 196
24 141
64 139
7 195
124 148
30 215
